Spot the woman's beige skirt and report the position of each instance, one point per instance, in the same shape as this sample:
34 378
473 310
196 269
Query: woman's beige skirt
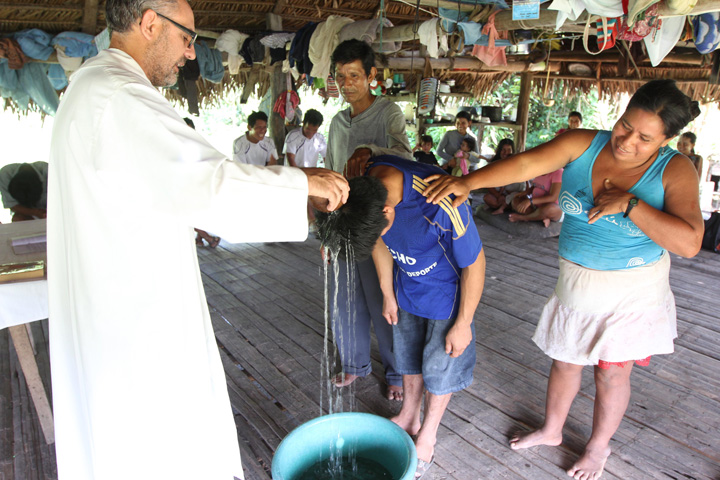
611 315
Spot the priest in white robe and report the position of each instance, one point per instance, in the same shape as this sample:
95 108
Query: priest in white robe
138 387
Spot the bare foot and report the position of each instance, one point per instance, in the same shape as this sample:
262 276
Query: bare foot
344 379
546 222
411 427
498 210
590 465
536 437
394 392
424 451
512 218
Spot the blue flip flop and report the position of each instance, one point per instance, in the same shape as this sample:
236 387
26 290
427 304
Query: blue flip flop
423 467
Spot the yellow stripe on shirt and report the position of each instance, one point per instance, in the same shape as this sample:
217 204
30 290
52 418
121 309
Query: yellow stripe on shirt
419 185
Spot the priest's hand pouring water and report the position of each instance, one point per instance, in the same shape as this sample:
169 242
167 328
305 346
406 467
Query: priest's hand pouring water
327 187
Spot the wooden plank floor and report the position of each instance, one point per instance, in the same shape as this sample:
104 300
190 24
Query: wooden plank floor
267 304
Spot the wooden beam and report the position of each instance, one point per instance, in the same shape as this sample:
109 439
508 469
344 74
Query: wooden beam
461 63
620 79
90 17
523 110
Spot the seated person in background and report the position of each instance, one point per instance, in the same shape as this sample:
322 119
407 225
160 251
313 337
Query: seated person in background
431 267
254 147
304 145
24 190
540 201
462 158
574 121
713 174
686 146
423 152
496 198
450 142
202 234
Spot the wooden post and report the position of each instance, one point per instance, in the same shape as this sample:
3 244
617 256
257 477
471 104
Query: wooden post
523 110
90 17
276 127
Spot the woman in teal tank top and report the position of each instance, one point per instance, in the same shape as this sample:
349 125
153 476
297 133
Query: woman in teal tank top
628 199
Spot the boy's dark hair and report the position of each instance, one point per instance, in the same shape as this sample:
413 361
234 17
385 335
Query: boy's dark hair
575 114
465 115
690 136
470 141
313 117
426 139
667 101
351 50
255 116
26 186
352 230
189 122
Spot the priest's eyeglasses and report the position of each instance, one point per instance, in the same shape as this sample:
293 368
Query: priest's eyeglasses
193 35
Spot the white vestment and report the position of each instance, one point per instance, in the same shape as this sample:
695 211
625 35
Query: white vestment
139 390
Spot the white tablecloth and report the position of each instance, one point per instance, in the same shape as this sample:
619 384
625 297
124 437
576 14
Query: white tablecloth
23 302
27 301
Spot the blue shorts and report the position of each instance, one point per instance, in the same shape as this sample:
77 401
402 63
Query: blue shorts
419 348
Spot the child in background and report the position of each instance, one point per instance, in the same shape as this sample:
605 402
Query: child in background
423 152
462 157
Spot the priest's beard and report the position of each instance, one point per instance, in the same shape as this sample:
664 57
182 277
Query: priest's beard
162 66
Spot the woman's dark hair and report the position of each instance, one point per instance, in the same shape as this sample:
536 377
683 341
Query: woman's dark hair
664 99
352 230
255 116
500 145
26 186
351 50
313 117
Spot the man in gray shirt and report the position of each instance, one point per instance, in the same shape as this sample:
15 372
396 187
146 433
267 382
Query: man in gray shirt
450 142
370 126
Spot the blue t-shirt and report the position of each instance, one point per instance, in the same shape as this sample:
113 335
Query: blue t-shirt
612 242
431 244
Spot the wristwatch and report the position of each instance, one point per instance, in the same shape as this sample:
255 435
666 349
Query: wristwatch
631 204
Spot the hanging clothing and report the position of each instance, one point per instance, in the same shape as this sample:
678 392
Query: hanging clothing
139 390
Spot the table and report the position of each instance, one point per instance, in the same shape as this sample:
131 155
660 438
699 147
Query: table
23 302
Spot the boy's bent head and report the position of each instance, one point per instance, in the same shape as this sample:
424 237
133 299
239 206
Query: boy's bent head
352 230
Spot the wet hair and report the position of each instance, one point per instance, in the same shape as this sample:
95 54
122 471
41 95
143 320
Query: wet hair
426 139
189 122
255 116
355 227
664 99
26 186
351 50
313 117
575 114
121 15
470 142
465 115
500 145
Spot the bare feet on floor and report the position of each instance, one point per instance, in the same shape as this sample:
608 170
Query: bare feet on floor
590 465
512 218
344 379
546 222
412 427
394 392
498 210
536 437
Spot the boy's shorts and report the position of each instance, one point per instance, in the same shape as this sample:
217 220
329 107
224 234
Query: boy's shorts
419 348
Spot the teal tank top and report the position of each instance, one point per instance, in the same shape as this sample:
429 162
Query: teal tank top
612 242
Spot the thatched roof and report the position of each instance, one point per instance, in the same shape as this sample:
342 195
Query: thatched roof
611 72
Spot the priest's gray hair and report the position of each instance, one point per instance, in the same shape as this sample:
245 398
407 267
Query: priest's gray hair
122 14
